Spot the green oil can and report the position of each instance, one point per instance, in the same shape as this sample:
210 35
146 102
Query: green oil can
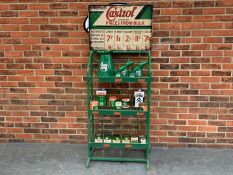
101 97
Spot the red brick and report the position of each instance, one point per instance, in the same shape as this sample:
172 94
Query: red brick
200 73
59 20
29 27
209 92
187 128
162 4
24 136
180 33
10 27
213 25
58 6
207 128
228 53
182 4
4 7
162 19
19 7
169 26
39 6
201 33
39 20
228 25
204 3
179 60
212 53
28 13
210 79
222 32
9 14
191 40
171 11
213 40
214 11
193 11
191 26
20 34
200 86
224 3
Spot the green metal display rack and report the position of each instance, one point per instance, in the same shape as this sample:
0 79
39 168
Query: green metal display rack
124 112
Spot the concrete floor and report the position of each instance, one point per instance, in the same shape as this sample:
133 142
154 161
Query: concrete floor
66 159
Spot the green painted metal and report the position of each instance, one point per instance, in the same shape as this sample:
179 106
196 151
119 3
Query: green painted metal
115 159
119 145
125 112
114 79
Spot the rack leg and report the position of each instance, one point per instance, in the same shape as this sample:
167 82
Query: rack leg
148 165
89 156
148 157
88 162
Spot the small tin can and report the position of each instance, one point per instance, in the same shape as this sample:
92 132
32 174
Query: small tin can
116 139
98 138
107 138
142 139
118 104
94 105
134 139
125 103
112 100
143 106
125 138
101 97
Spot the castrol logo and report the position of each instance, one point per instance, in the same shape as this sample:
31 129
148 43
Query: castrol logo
118 12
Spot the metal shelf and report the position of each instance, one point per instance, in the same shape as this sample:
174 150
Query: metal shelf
123 112
119 145
122 79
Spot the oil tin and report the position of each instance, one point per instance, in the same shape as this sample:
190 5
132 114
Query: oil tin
116 138
107 138
94 105
134 139
98 138
125 103
143 106
112 100
138 97
118 104
125 138
142 139
101 97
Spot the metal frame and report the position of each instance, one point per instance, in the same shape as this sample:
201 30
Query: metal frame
91 113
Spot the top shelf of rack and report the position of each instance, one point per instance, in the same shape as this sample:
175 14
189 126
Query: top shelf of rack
123 51
114 79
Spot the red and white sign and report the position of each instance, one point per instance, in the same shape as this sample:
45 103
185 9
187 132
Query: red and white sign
121 16
120 28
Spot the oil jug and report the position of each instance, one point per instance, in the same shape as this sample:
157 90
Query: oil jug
137 70
106 67
123 70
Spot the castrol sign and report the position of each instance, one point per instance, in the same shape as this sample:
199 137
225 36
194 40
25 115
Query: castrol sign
120 27
119 12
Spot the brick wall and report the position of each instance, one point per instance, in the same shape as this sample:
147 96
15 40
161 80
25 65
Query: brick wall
43 57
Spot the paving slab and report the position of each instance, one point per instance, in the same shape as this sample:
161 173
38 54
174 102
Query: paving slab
70 159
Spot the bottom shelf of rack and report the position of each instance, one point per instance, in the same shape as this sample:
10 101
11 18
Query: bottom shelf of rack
119 145
117 159
119 152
